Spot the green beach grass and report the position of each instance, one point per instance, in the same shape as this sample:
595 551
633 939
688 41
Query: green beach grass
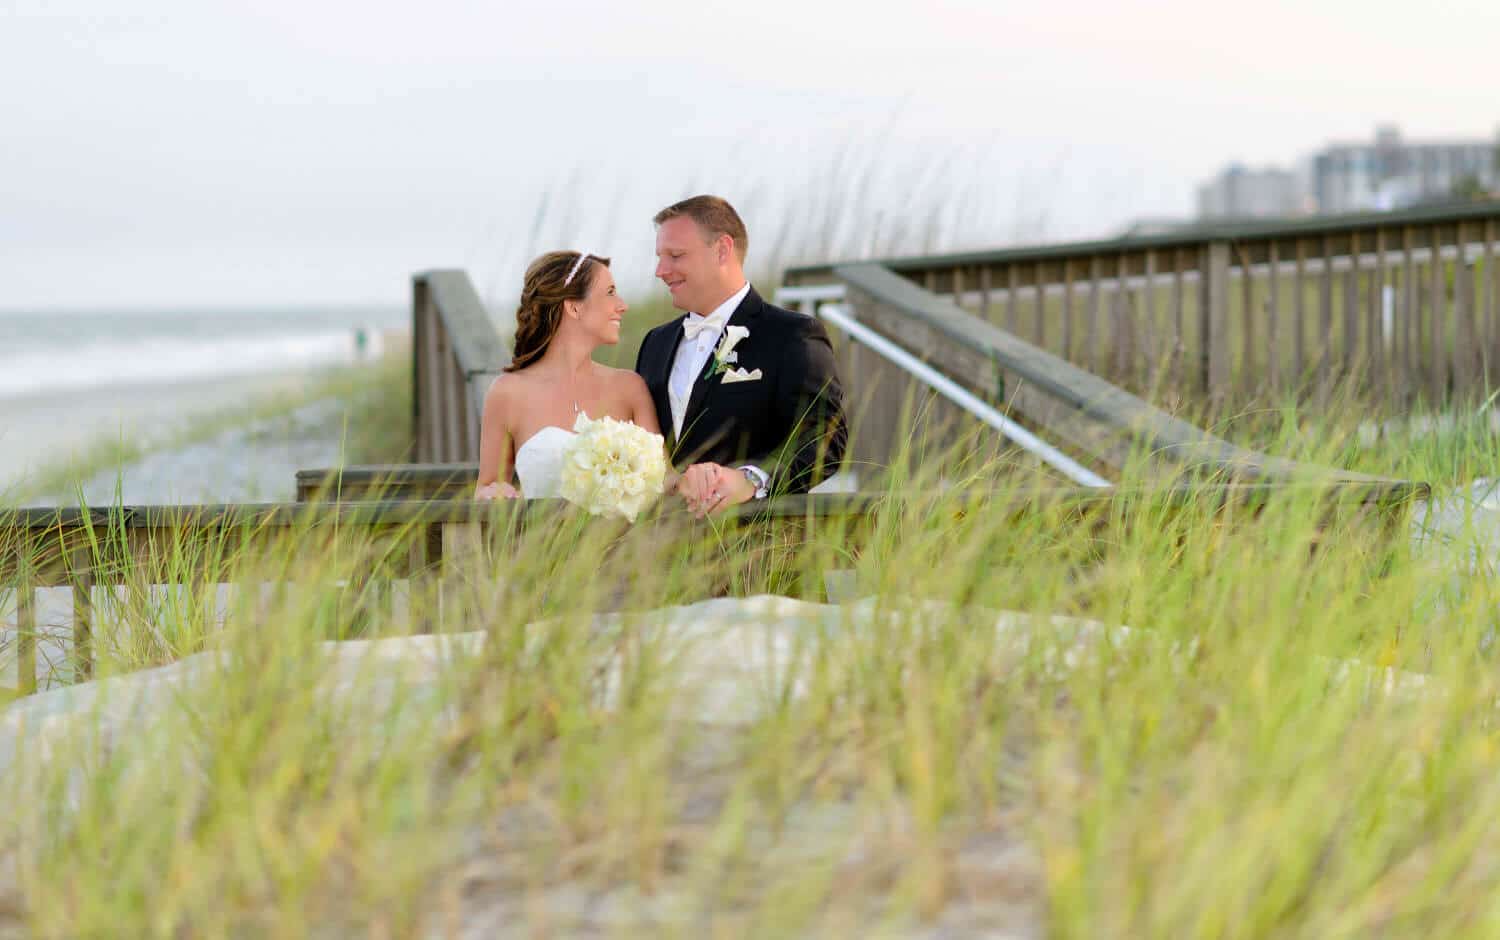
1173 724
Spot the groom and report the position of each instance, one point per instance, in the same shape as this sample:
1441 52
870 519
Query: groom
746 392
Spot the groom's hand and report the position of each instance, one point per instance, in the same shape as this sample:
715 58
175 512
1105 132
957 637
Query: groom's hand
708 488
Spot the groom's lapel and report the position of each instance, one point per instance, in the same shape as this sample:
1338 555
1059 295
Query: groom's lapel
742 316
659 372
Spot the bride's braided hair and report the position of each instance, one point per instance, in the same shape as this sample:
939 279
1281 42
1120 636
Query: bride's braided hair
546 286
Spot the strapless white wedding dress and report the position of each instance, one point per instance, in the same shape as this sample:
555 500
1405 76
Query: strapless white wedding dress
539 462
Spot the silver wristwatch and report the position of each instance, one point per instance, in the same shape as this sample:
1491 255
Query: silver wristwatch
760 489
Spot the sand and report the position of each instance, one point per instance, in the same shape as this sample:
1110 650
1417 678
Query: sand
43 429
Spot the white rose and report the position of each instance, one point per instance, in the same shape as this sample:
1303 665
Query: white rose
613 467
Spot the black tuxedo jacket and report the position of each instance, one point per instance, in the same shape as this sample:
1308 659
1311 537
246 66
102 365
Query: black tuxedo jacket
790 422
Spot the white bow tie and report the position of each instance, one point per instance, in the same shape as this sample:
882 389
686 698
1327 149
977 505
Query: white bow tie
692 326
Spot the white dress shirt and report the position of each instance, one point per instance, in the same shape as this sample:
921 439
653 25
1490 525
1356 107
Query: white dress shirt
692 355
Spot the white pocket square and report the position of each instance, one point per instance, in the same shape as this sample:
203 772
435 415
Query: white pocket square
740 375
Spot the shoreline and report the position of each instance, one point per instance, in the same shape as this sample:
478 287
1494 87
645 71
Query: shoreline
159 444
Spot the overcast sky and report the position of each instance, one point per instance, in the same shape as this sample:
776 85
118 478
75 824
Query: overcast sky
272 152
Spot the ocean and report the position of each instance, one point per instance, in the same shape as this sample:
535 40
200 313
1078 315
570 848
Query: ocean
60 352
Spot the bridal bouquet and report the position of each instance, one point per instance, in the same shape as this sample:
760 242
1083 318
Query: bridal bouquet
612 467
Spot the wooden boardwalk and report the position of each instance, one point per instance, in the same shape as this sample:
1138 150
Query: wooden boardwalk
1398 308
1073 340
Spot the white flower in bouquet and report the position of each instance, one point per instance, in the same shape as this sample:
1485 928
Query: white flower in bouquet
612 467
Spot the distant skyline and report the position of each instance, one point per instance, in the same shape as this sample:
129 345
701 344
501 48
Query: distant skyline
171 154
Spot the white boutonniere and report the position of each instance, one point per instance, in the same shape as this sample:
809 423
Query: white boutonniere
725 355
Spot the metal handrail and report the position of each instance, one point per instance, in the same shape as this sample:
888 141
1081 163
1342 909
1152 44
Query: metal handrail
841 317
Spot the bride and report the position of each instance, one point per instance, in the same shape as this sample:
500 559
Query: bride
569 307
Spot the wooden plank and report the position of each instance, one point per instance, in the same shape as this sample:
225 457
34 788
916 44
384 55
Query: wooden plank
425 558
1491 311
436 419
466 422
454 404
473 412
26 630
1120 336
1351 318
1325 324
432 386
1437 309
1179 321
1244 375
1273 321
1299 316
1374 337
1155 362
1012 300
1039 308
1213 321
83 613
391 481
452 414
1384 371
1411 316
422 450
984 291
1463 324
1121 333
462 550
1067 310
1096 313
452 333
958 285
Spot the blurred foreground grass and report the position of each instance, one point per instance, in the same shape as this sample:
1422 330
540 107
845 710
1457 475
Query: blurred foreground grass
1170 725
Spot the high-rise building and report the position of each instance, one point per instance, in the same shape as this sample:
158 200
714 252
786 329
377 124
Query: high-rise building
1242 193
1388 172
1392 173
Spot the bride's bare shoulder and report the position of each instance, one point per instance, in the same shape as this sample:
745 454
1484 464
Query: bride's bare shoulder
625 380
507 387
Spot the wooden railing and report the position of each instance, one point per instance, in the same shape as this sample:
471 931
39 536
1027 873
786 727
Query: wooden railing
456 353
387 482
1395 308
196 548
1068 405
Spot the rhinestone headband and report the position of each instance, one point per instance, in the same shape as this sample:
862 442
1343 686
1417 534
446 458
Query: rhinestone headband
574 270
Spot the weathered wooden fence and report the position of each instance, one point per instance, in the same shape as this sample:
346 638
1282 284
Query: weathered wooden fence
412 521
1395 307
891 414
427 543
456 353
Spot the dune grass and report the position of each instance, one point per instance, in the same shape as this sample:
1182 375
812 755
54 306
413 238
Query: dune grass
1170 722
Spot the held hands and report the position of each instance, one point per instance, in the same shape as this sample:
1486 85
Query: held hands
496 490
708 488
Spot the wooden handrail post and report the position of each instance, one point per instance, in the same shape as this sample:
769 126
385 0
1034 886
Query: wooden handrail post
25 620
82 576
425 561
420 439
1213 320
